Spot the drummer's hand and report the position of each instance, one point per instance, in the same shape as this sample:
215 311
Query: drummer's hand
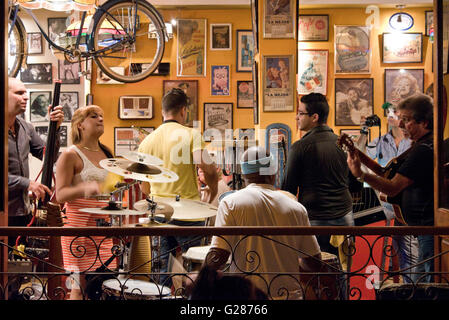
91 188
56 115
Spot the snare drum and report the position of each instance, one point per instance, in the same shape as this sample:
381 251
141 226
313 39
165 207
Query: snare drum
194 258
132 289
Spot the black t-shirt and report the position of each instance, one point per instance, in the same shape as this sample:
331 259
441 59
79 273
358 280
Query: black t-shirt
417 199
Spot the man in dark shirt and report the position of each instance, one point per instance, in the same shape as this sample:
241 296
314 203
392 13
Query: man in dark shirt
413 181
317 167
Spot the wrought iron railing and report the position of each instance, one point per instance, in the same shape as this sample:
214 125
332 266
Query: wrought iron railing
369 273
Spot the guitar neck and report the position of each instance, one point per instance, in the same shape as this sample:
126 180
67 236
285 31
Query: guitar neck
370 163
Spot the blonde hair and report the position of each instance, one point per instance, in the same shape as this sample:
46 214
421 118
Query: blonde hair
79 116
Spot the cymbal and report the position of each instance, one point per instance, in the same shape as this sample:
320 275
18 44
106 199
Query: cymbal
120 212
184 209
138 171
143 158
150 224
162 209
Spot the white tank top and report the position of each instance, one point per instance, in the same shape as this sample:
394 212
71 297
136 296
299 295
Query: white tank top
90 172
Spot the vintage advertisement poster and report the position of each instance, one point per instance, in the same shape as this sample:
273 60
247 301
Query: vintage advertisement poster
279 19
312 71
313 27
191 47
217 120
278 75
352 49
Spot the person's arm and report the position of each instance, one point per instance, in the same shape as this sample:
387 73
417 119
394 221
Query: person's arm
290 181
204 161
145 187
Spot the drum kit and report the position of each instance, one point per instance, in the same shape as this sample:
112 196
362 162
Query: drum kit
141 167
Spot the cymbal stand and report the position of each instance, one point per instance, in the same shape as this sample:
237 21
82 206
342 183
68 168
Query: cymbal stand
155 241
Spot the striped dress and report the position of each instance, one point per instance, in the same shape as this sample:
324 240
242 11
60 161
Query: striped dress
81 254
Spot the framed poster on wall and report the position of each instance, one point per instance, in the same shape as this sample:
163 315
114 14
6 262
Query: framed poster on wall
217 121
312 71
402 83
405 47
352 49
313 27
279 19
220 80
191 51
245 50
278 82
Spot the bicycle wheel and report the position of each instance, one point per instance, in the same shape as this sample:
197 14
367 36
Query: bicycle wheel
16 45
124 47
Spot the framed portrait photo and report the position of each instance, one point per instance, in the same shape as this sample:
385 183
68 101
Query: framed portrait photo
68 72
127 139
279 19
313 27
39 102
220 36
34 40
405 47
312 71
278 83
56 28
352 49
354 134
63 134
220 80
217 121
191 50
38 73
245 50
402 83
245 95
69 102
353 101
429 22
190 88
135 107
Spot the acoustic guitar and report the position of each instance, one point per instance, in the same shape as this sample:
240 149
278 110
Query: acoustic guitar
391 204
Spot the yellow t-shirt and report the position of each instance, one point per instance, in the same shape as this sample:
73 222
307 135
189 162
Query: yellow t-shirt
174 144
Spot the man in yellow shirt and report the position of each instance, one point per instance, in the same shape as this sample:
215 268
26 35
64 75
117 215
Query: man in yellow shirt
181 149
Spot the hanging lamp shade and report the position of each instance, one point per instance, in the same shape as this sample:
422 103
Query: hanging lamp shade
58 5
107 27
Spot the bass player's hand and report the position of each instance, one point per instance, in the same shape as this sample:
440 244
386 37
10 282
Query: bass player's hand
38 189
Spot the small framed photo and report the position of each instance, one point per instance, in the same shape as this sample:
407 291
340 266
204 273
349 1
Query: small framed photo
278 83
190 88
220 36
279 19
313 27
127 139
245 50
312 71
255 23
405 47
245 94
39 102
352 49
191 49
68 72
402 83
353 101
135 107
221 80
354 134
69 102
63 136
34 40
429 22
56 28
217 121
39 73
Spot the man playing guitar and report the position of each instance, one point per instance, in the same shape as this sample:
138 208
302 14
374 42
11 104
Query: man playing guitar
412 183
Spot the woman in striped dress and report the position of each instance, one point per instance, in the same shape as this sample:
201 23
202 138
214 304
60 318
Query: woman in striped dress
79 181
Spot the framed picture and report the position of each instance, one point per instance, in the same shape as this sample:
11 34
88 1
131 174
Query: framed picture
245 134
279 19
255 23
312 71
127 139
402 83
63 136
353 101
39 73
220 80
354 134
102 78
69 102
256 92
220 36
352 49
56 28
313 27
190 87
191 52
217 121
39 102
278 83
34 40
245 94
402 47
135 107
245 50
429 22
68 72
